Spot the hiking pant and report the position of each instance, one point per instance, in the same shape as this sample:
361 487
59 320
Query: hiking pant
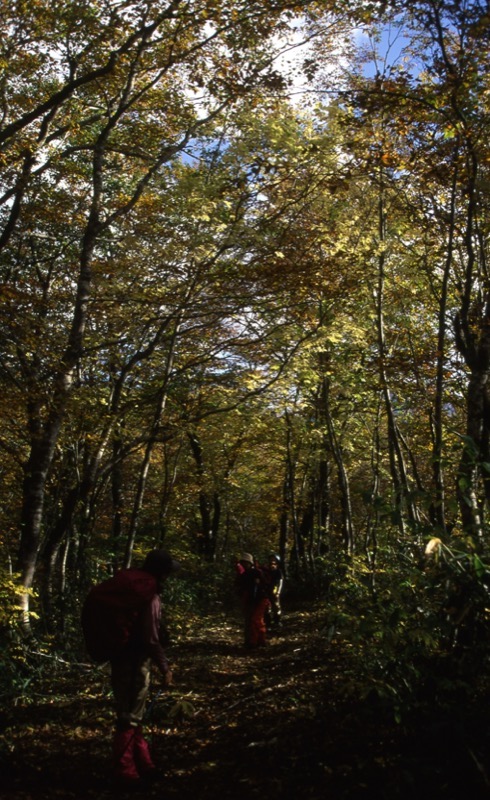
130 679
255 628
273 613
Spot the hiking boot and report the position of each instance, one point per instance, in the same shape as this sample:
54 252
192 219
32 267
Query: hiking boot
142 757
125 772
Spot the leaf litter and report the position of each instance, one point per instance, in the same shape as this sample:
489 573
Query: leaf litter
237 724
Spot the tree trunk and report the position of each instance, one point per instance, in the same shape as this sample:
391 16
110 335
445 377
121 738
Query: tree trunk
399 477
472 467
44 435
209 509
342 477
438 506
371 538
152 439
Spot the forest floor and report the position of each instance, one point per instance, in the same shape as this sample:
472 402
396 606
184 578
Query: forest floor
272 723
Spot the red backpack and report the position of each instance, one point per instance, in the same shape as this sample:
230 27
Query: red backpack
111 609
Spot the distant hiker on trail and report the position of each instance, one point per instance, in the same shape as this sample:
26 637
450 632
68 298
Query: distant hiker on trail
121 624
275 581
252 591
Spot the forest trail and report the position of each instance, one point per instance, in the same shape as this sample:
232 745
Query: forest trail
272 723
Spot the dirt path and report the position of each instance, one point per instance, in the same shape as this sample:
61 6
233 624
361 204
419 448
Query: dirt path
254 712
273 723
233 725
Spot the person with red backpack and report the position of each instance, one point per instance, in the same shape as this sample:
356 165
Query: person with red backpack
253 595
121 620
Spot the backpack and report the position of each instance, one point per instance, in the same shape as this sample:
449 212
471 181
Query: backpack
251 584
110 610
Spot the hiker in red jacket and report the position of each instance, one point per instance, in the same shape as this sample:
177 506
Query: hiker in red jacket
130 677
253 596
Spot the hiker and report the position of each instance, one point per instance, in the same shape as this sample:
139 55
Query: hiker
275 581
121 623
253 595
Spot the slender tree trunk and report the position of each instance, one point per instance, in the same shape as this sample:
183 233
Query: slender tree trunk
342 477
289 509
143 476
438 510
170 477
57 535
284 525
471 467
20 189
117 495
45 434
209 508
398 469
472 333
323 505
371 539
152 439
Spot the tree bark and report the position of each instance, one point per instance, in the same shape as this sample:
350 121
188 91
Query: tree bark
44 434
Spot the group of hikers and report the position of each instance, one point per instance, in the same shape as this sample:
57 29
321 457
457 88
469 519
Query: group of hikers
259 589
121 621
